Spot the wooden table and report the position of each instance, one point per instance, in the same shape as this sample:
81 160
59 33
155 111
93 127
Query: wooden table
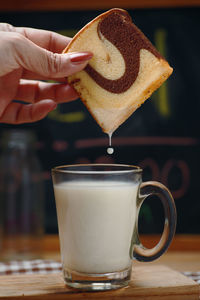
158 279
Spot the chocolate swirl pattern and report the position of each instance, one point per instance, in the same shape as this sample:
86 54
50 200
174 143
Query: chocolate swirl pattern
124 71
118 29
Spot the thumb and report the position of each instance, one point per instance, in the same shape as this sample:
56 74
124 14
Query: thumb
56 65
24 53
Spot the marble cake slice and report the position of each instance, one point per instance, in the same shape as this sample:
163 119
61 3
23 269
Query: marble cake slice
124 71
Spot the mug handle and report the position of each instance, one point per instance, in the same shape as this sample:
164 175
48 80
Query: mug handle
146 189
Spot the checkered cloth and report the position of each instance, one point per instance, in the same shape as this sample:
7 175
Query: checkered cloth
41 266
193 275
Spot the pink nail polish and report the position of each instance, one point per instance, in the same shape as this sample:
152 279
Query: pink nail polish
80 57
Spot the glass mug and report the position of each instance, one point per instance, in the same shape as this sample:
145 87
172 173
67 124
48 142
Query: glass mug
97 208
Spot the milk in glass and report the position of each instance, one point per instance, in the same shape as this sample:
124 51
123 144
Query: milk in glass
96 222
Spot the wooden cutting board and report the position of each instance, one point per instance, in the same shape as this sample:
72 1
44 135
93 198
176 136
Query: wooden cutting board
147 283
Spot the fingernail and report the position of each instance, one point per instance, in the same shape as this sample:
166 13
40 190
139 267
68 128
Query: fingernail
80 57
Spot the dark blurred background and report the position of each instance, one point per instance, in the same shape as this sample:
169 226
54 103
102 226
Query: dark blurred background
162 136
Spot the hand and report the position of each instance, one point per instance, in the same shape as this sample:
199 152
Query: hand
27 56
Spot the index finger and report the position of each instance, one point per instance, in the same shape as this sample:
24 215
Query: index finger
49 40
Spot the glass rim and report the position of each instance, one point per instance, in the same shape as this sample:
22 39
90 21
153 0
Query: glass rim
127 169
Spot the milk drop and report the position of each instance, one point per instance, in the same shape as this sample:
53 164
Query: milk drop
110 150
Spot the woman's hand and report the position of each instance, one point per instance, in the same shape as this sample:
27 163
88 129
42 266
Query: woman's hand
27 56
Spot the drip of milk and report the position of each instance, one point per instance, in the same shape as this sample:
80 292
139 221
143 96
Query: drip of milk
110 150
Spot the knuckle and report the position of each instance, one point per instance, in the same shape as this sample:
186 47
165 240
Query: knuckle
53 63
7 27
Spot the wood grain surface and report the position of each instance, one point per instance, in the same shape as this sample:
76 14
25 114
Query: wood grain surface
147 283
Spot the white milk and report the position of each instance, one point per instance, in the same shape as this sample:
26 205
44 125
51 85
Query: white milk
110 150
96 222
